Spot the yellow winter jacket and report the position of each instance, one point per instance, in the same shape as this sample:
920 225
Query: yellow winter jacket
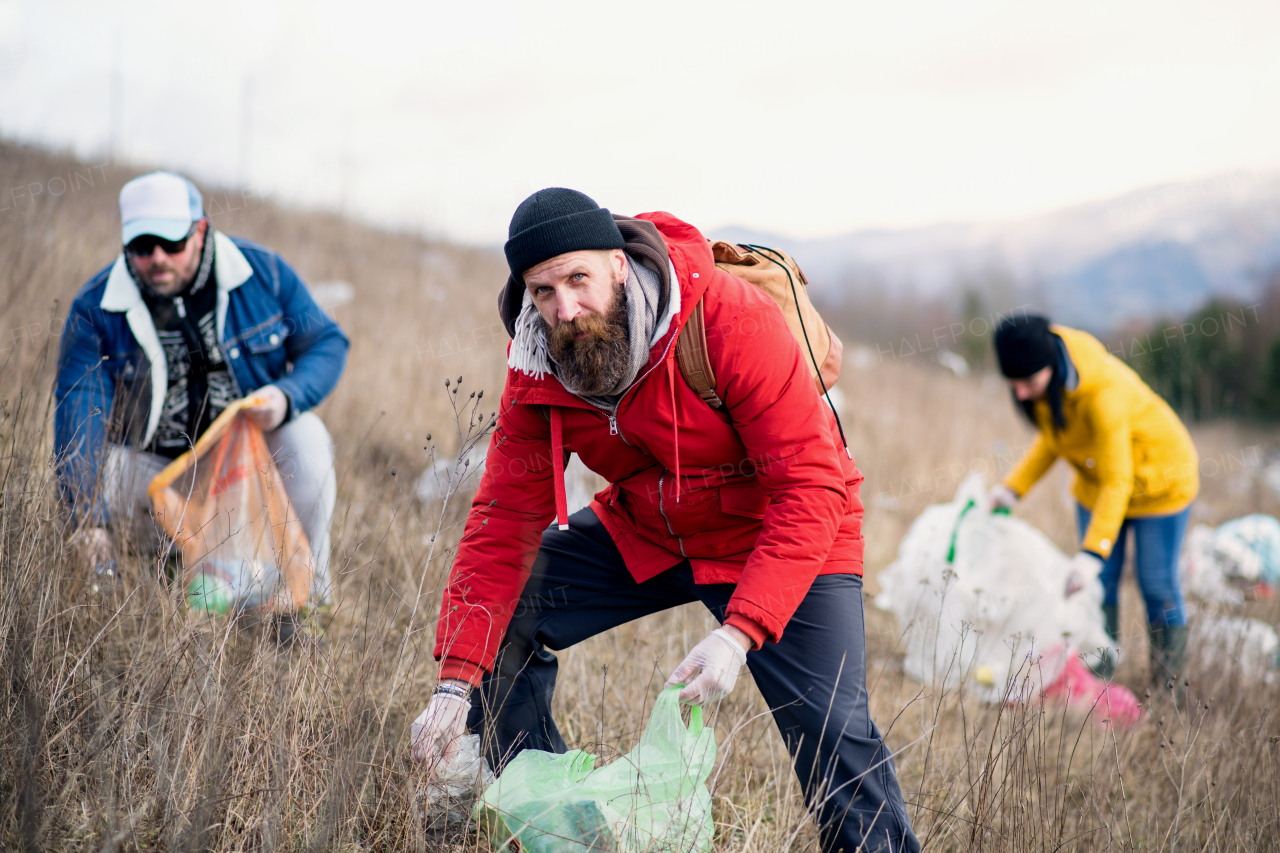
1132 455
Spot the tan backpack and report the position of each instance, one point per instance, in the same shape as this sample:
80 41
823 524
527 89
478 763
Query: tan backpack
778 275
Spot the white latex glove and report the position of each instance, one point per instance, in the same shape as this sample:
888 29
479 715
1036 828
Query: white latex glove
436 732
270 408
1083 568
1001 496
95 546
717 661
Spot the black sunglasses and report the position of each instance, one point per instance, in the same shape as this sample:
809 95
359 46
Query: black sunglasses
144 245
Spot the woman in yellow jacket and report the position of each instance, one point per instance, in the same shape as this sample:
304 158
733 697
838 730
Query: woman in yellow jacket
1136 469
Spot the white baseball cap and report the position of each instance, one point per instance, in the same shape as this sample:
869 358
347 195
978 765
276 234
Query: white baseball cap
161 203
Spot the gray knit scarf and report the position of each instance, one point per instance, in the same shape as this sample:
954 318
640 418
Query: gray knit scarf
530 352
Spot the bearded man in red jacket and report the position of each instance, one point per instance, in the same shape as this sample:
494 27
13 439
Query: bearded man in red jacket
751 508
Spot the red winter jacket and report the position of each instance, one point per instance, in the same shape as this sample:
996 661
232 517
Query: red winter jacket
759 493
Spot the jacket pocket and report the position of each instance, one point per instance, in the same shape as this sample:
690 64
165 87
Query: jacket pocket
125 366
265 338
746 500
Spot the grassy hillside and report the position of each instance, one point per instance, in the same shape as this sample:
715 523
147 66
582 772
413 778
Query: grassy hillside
129 723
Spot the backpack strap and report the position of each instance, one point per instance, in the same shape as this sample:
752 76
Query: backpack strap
695 361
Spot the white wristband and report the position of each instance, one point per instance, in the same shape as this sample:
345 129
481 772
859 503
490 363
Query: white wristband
451 697
737 647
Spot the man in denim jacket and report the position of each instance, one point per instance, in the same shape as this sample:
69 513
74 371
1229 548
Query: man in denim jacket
157 344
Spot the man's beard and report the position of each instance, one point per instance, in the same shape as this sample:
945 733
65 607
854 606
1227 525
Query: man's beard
594 365
179 282
182 282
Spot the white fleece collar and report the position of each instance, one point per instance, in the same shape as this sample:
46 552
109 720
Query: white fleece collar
231 269
121 294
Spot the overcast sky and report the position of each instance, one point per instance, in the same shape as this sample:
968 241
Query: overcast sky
796 117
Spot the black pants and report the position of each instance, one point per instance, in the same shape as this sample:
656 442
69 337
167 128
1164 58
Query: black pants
814 680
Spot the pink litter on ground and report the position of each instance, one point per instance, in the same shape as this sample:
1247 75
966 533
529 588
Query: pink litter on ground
1112 704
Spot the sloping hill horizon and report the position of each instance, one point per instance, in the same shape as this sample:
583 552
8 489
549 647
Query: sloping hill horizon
1161 250
133 721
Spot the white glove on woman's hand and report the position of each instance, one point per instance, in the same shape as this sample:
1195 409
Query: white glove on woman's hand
435 734
1001 496
1082 569
717 660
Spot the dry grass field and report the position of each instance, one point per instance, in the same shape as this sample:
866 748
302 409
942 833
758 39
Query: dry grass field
129 723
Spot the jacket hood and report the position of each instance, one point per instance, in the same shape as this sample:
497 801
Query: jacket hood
1087 355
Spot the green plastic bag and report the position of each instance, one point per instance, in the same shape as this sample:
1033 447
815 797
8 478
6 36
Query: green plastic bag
206 593
653 798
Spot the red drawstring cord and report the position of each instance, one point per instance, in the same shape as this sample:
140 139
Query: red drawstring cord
675 427
557 469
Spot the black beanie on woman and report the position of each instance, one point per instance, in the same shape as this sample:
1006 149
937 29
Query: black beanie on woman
554 221
1024 345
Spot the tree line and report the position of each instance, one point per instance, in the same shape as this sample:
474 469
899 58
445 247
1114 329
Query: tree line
1221 361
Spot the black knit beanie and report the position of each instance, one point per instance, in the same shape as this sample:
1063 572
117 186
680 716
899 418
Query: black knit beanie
554 221
1024 345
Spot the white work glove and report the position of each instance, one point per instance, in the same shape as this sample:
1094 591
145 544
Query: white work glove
436 732
717 661
94 544
1000 496
1082 569
269 408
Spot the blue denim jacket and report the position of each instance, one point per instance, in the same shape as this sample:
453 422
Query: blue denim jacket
112 375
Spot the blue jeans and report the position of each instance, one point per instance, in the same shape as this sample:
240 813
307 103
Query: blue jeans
1157 542
813 679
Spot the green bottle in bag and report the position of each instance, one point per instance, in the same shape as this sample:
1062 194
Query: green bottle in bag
653 798
209 594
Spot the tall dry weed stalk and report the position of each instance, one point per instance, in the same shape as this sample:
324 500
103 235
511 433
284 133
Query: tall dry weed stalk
128 722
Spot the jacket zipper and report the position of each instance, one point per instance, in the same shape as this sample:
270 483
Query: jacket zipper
662 508
195 351
614 430
613 416
613 427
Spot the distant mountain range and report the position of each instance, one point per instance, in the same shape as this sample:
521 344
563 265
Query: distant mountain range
1158 251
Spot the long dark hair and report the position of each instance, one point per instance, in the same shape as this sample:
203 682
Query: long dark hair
1052 394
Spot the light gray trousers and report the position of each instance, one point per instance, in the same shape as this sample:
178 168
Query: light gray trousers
303 452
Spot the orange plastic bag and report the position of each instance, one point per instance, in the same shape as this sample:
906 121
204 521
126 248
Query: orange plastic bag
224 505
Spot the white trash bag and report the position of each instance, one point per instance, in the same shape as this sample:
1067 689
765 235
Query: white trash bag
460 477
1228 564
452 790
978 595
1229 644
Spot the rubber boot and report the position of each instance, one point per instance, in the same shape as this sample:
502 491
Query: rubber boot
1168 646
1105 666
287 630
